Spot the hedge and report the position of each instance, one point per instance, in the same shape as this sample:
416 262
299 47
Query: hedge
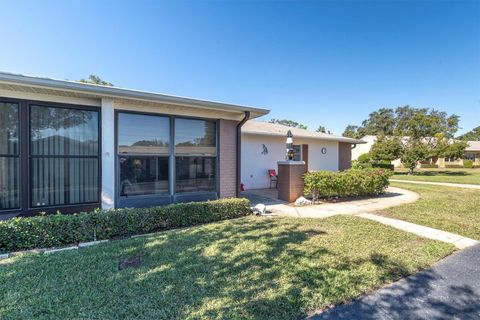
383 165
348 183
428 166
60 230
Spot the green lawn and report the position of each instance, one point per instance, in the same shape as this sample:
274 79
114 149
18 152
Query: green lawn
250 268
470 176
455 210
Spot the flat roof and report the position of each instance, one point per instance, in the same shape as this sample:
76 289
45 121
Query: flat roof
117 92
274 129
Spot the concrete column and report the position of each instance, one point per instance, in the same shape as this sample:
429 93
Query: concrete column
108 154
290 180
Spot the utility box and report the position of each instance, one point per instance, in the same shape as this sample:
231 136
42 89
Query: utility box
290 179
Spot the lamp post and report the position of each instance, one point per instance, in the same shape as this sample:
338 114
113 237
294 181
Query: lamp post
290 152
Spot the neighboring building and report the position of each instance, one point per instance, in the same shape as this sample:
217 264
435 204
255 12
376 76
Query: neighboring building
263 145
472 152
73 147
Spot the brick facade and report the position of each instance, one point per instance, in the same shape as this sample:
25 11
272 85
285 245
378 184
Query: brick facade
344 155
228 158
290 181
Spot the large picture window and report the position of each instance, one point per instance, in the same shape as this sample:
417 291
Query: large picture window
9 156
64 156
143 150
195 155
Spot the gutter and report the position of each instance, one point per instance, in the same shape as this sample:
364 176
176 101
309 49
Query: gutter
239 151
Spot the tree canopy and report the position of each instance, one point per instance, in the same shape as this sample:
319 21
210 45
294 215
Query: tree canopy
289 123
94 79
472 135
411 134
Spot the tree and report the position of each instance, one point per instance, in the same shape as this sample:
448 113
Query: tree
321 129
472 135
422 133
386 149
289 123
351 131
94 79
412 152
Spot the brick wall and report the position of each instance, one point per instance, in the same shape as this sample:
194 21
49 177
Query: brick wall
344 155
228 158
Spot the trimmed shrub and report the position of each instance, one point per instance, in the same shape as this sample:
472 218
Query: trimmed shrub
454 166
468 164
364 158
428 166
60 230
348 183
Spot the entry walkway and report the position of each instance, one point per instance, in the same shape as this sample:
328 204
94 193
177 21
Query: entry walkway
445 184
448 290
393 197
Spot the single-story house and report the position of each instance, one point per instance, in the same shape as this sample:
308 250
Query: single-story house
472 152
69 146
264 144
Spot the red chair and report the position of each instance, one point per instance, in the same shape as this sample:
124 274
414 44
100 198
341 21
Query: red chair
272 174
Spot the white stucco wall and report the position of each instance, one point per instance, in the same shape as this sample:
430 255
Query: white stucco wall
255 164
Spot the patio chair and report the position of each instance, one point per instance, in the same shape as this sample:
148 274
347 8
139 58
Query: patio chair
272 174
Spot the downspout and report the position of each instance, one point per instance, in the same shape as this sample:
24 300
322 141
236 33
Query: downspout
239 151
354 145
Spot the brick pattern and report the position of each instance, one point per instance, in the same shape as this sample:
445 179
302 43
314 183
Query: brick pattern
228 158
290 181
344 155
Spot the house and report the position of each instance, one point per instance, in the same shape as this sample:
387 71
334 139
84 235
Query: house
263 145
68 146
472 152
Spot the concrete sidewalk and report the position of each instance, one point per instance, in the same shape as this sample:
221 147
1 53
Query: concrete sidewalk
448 290
445 184
458 241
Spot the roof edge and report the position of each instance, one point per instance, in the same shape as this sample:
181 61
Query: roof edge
108 91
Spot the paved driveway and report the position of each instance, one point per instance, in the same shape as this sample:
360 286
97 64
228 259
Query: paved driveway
449 290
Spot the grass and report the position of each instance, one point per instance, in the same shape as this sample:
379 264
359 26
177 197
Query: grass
450 209
250 268
469 176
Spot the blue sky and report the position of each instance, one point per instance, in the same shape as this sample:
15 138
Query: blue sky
319 63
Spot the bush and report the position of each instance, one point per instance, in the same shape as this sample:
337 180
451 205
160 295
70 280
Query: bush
383 165
468 164
364 158
428 166
348 183
60 230
454 166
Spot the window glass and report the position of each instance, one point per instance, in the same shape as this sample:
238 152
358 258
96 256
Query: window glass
143 134
143 175
9 157
62 131
8 128
195 137
195 174
64 156
63 181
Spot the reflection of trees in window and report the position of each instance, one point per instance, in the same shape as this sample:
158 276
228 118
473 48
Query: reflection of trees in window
208 138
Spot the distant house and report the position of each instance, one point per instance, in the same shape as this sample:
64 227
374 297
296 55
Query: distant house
263 145
472 152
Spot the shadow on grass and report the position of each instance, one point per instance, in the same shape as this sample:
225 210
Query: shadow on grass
435 173
233 270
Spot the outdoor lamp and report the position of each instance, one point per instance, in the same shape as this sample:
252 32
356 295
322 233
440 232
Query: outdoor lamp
290 151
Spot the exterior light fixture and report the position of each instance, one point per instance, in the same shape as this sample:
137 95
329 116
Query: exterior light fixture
290 152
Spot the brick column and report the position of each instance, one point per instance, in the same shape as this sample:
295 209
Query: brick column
290 180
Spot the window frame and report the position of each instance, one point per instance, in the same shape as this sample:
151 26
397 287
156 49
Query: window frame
173 196
25 155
